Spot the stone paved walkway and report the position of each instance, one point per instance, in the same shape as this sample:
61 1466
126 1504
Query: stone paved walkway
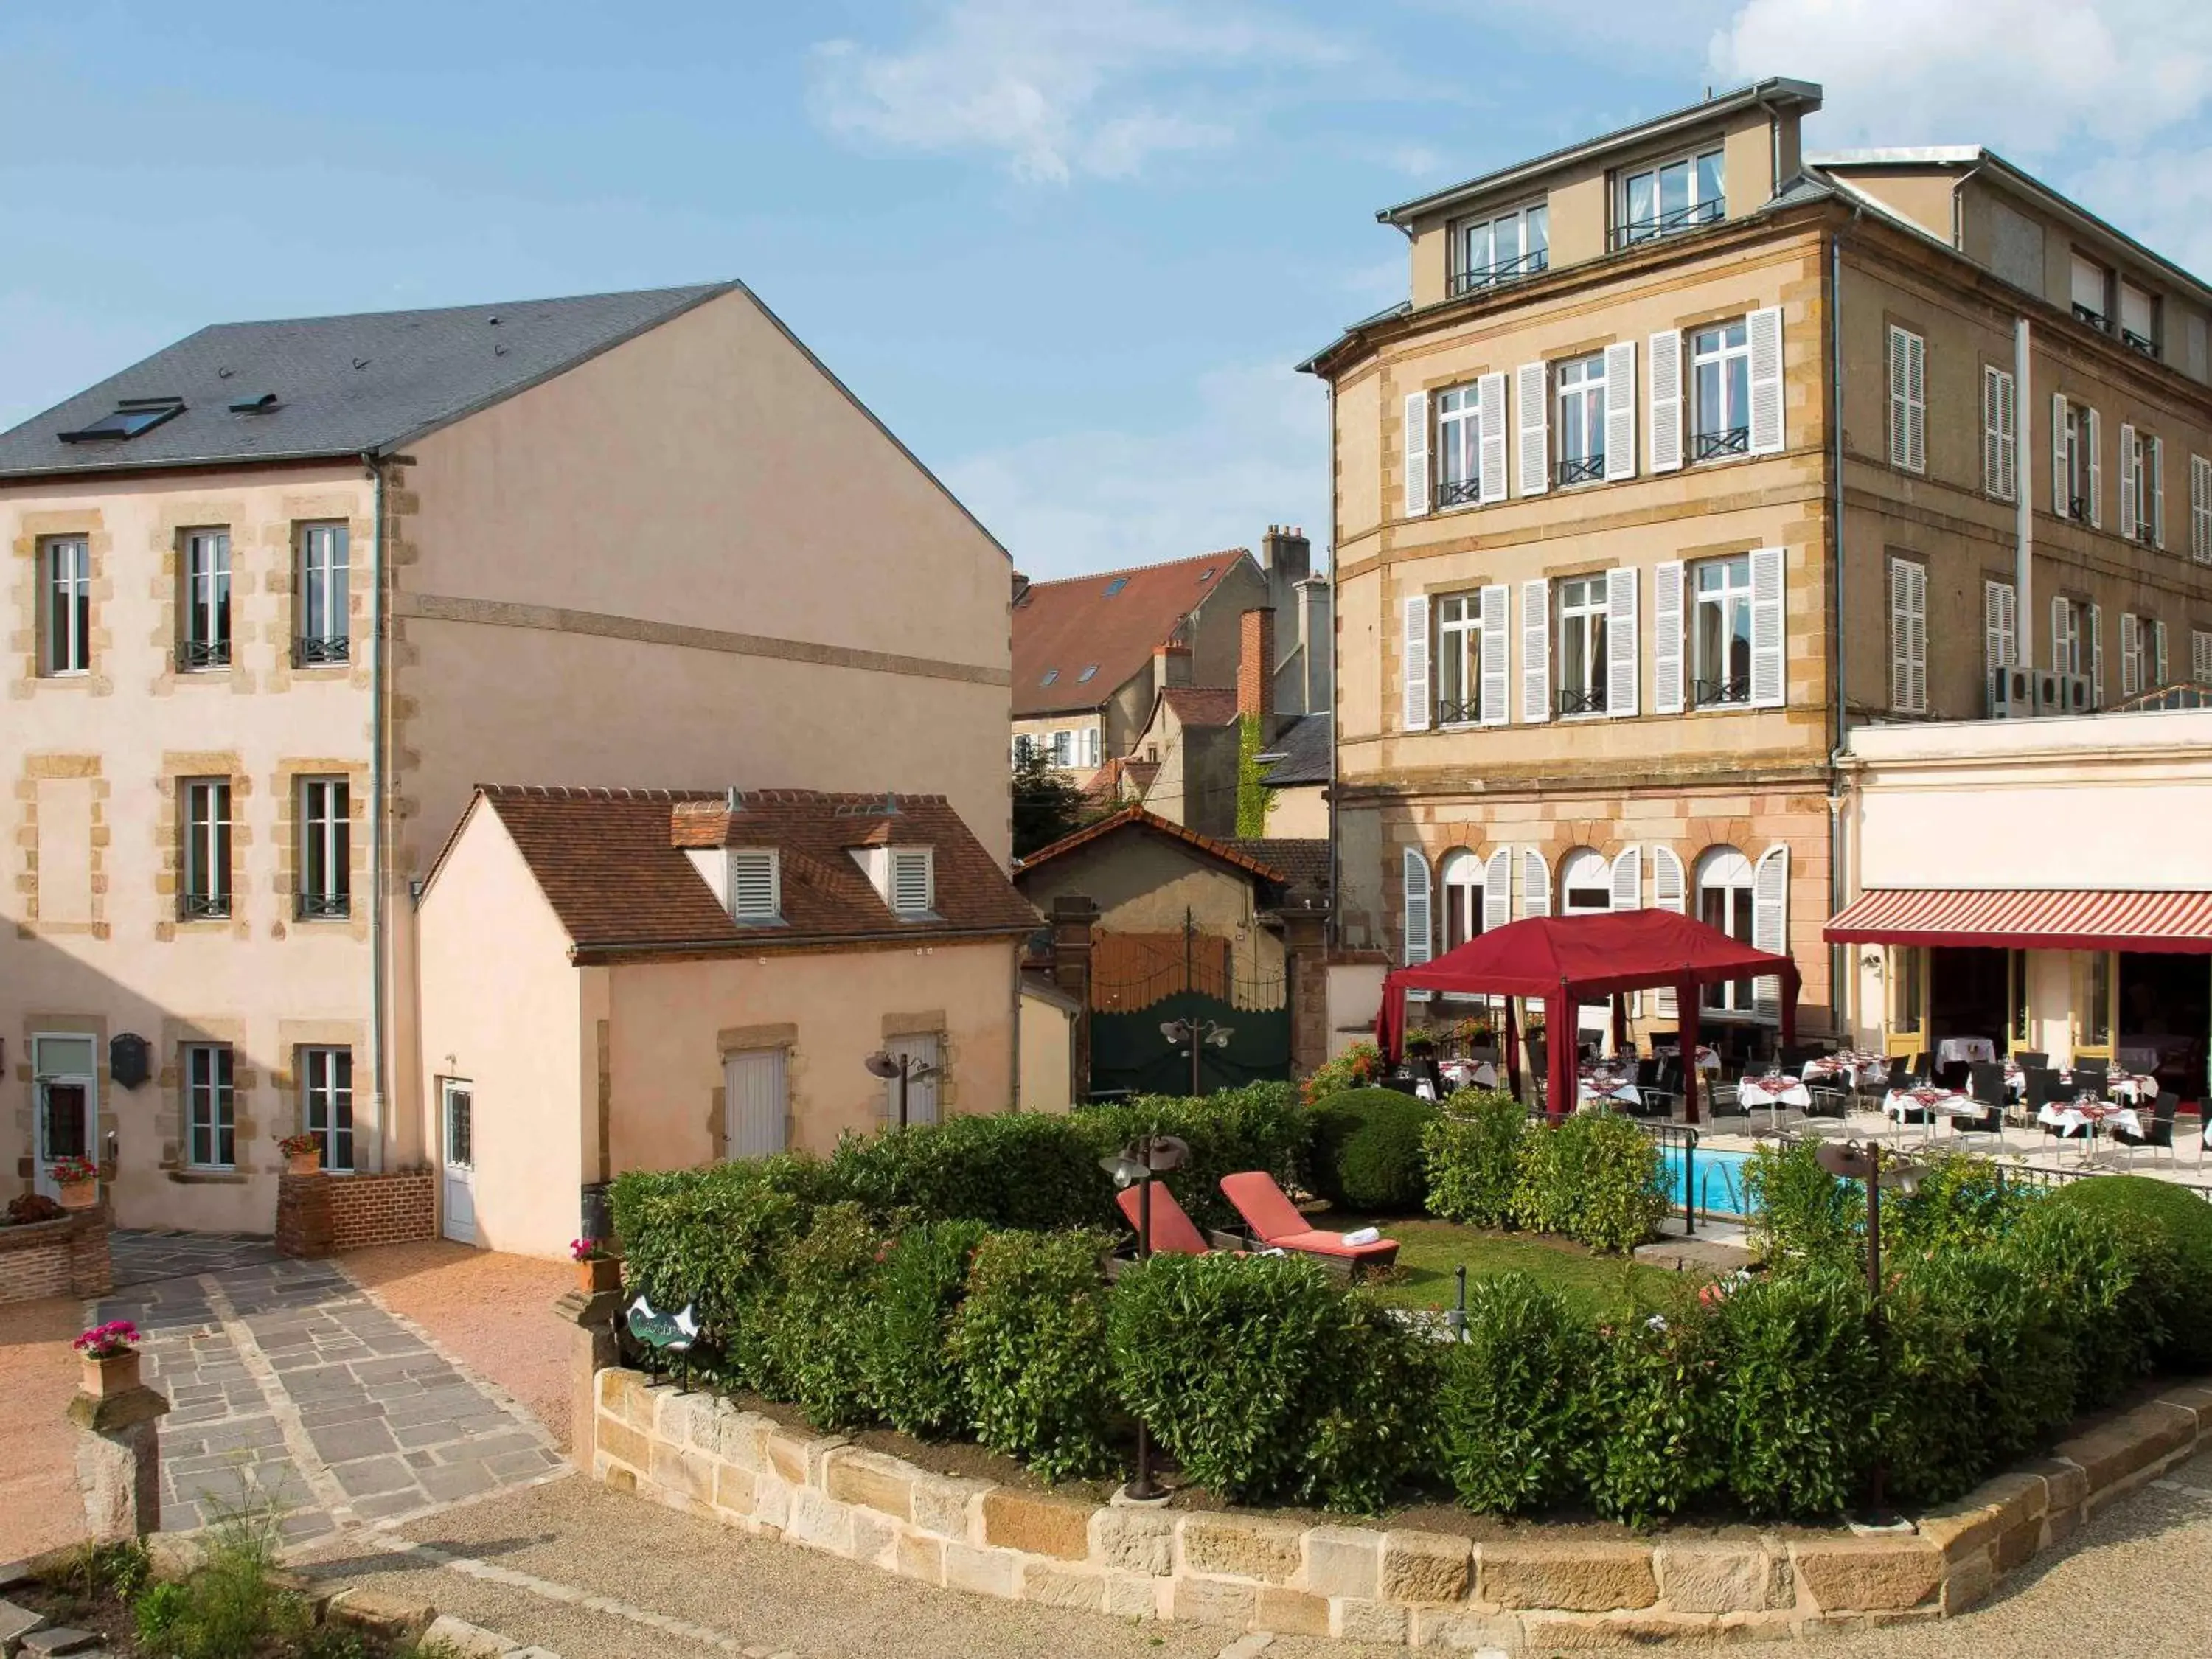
144 1256
289 1385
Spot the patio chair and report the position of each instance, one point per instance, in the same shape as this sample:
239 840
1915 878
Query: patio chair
2159 1134
2040 1087
1987 1087
2094 1076
1920 1067
1276 1223
1655 1097
1174 1233
1954 1074
2025 1058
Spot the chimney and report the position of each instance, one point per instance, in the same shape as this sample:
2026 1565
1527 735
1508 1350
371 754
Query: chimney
1170 664
1021 588
1286 556
1255 671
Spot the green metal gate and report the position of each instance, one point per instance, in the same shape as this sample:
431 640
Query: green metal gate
1151 993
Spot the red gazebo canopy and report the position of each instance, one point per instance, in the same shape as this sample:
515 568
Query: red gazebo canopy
1569 960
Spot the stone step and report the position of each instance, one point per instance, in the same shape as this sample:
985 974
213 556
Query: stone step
61 1639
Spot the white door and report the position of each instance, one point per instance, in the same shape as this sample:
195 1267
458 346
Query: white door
459 1141
921 1084
753 1091
67 1094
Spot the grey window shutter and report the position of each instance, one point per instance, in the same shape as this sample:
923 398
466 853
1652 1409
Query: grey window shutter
1496 672
2129 505
1498 890
1536 650
2200 509
2060 484
1531 395
1770 924
2157 510
1763 333
1418 925
1535 884
1416 437
1490 417
1900 437
1621 642
1417 663
1900 658
2130 654
2093 437
1665 350
2008 437
2096 656
2158 652
1769 640
1620 409
1667 638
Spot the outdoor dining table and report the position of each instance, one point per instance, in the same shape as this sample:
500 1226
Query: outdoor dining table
1936 1102
1470 1073
1854 1065
1968 1049
2070 1118
1774 1090
1606 1083
2134 1088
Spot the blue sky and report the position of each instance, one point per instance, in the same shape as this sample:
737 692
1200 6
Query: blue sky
1067 250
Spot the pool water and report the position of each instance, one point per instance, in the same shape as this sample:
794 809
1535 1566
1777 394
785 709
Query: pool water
1719 1176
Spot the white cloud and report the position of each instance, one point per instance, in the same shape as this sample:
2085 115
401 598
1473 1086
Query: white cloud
2032 78
1052 90
1254 454
2161 196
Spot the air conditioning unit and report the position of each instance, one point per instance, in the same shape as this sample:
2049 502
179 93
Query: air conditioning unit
2074 691
2050 690
2012 694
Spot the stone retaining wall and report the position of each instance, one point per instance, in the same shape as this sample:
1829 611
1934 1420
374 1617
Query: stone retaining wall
703 1455
68 1257
319 1215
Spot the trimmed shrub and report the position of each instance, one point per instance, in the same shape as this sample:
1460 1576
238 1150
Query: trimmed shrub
1359 1065
907 1359
1961 1203
1596 1177
813 1341
1510 1406
1269 1380
1798 1209
1471 1153
2186 1221
1031 1169
2107 1275
1655 1432
1365 1151
1031 1342
1804 1393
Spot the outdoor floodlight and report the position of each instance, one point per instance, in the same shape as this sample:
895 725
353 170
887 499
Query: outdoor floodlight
882 1065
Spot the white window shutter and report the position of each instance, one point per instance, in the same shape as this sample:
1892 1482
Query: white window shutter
2200 656
1992 460
1535 884
2200 509
1667 638
2061 614
1770 924
1763 333
2131 664
2128 504
755 894
1669 891
1497 669
1994 652
2060 484
2158 652
2155 511
1418 925
1901 645
2096 625
1416 660
1536 650
1620 409
1498 890
2092 435
1768 640
2000 445
1490 417
1916 402
1627 878
1917 579
1900 436
1417 454
1621 647
1532 396
1665 349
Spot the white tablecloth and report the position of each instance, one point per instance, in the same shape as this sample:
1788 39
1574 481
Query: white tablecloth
1850 1070
1942 1103
1464 1074
1967 1049
2071 1121
1608 1088
1707 1060
1774 1090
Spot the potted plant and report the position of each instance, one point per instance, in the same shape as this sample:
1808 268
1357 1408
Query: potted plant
303 1154
79 1180
110 1353
597 1268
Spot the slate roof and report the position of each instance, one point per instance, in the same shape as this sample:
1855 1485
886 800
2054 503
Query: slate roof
1062 628
612 864
1305 746
343 385
1303 861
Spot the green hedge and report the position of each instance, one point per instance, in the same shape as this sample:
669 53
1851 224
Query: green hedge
1594 1177
1030 1343
1472 1156
1513 1397
2185 1221
1364 1151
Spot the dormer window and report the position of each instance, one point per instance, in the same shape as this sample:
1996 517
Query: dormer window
913 881
756 885
1677 195
1497 250
2091 292
2138 320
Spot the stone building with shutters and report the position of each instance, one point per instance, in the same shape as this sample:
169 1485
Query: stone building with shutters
1688 452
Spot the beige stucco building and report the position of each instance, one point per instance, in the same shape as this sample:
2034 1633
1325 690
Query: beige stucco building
282 594
1684 457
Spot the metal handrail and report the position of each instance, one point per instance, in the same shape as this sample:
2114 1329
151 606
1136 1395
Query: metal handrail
1458 492
2077 508
1729 440
323 906
1587 469
1715 694
1589 701
2142 343
1467 713
2094 318
203 907
1633 231
313 650
1525 264
203 653
1684 1135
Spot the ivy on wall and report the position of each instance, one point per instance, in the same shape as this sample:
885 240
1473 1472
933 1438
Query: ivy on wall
1252 798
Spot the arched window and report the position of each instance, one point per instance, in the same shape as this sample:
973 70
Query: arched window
1725 901
1585 884
1463 896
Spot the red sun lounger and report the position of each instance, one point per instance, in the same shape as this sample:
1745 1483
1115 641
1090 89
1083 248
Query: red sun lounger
1276 1223
1174 1233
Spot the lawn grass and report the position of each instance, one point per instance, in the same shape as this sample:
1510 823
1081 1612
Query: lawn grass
1429 1252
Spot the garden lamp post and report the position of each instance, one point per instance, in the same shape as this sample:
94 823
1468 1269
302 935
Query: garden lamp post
1855 1162
1135 1165
906 1068
1197 1033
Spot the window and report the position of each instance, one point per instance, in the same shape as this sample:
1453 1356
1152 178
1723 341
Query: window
1462 887
132 415
208 1116
1908 641
322 609
1721 634
2092 302
2158 652
2019 1022
1459 659
67 565
1496 250
1582 645
325 848
1459 447
1720 392
2200 656
913 884
1090 747
1677 195
2096 1000
756 1099
2065 636
327 1096
2139 319
1063 748
207 849
1725 901
1585 884
1908 400
1050 675
206 643
1024 746
755 884
1908 978
1088 672
1117 585
1581 383
2132 654
2076 463
2000 435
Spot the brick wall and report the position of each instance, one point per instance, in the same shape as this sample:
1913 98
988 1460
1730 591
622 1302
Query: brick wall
319 1215
67 1257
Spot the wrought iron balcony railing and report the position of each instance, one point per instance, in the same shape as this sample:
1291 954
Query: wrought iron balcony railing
314 650
203 907
1717 694
2142 343
1587 701
1729 440
1458 713
1505 270
203 653
2077 508
1652 225
2094 318
324 907
1587 469
1459 492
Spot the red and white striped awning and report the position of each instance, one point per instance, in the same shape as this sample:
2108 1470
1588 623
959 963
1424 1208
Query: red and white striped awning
2074 920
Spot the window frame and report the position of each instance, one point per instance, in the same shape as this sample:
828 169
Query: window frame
72 591
1696 211
326 1073
1457 418
325 829
217 1092
324 584
1723 442
1468 626
2065 642
1586 620
1589 390
1469 278
206 883
204 638
1737 997
1462 898
1725 599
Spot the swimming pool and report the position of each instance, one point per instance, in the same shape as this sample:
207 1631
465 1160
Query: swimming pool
1720 1179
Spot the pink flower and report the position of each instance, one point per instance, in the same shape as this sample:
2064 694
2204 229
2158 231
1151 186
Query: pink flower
118 1336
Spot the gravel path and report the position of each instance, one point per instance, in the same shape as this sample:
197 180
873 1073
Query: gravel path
38 1507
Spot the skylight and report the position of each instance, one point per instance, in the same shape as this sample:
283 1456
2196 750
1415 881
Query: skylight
1208 576
132 415
1050 675
1086 673
1117 585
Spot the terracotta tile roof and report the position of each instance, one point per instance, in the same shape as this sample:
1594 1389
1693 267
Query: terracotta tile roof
1120 779
1062 628
612 863
1137 817
1304 861
1202 705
